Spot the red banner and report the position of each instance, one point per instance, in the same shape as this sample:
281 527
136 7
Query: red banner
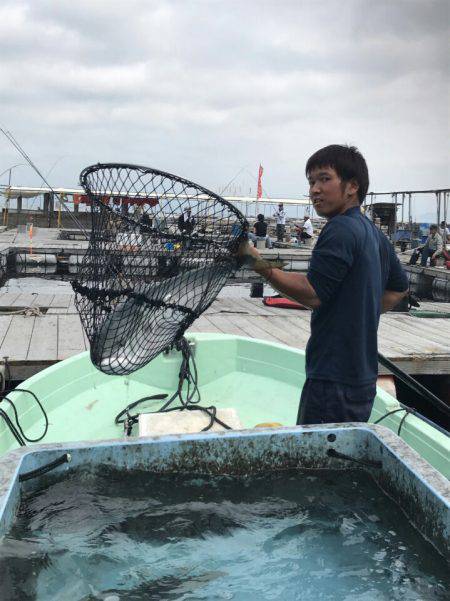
259 192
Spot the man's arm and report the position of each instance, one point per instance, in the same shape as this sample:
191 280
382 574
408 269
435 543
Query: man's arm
396 284
295 286
390 299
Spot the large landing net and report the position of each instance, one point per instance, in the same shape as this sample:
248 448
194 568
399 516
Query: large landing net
161 249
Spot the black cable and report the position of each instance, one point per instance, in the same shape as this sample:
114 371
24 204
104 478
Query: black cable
402 421
127 409
19 427
12 428
187 401
366 462
407 411
45 468
412 411
16 429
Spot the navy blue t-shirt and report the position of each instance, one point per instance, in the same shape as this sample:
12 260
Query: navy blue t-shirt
351 266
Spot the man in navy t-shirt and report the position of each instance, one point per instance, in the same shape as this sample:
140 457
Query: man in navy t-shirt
354 275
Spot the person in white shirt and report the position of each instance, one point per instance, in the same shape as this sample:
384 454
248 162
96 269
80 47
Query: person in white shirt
280 216
305 231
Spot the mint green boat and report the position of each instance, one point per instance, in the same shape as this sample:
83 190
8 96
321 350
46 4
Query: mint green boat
262 381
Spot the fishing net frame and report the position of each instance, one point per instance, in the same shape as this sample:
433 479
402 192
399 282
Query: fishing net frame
160 250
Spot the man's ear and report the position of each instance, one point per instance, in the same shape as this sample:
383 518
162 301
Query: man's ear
352 187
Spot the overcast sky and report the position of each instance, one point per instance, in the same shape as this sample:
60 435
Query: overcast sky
205 88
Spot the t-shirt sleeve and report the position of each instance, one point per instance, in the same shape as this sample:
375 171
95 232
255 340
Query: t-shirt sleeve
397 280
331 259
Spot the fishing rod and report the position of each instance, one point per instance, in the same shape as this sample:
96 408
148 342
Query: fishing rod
9 136
414 385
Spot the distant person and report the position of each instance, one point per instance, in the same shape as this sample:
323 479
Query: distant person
305 231
186 222
353 276
280 216
145 221
432 248
260 232
444 232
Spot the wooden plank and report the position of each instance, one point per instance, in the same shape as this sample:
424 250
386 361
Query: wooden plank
437 331
17 340
44 300
61 301
71 308
202 324
25 300
224 324
409 342
5 322
71 340
44 340
292 334
301 323
7 299
225 305
87 344
250 326
255 307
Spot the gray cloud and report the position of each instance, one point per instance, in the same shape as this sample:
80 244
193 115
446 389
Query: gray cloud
202 88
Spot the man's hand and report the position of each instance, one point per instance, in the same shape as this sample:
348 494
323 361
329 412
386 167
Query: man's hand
252 258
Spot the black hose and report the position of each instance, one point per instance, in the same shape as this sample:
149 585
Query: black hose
16 429
414 385
188 400
45 468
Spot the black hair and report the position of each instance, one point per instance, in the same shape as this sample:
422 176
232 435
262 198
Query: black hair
433 226
348 163
260 217
442 223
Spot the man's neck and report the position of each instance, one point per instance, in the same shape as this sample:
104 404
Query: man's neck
350 203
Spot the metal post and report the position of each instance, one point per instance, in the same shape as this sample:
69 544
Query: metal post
394 195
50 209
438 207
446 197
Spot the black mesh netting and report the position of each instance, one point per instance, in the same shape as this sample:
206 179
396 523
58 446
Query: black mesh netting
161 249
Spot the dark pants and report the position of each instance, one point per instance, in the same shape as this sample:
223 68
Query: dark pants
280 232
305 236
426 253
325 402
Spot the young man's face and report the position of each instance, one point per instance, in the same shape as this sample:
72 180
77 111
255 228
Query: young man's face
329 194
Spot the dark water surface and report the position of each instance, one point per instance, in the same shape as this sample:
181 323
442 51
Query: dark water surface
283 535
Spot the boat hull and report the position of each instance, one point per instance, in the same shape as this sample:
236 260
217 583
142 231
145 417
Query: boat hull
261 380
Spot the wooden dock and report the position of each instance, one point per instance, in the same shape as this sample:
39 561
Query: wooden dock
37 330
